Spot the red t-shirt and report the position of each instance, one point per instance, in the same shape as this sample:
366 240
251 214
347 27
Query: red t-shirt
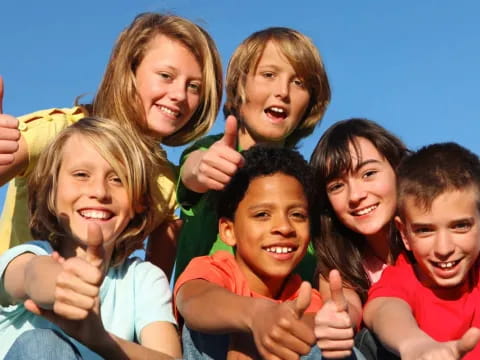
222 269
443 318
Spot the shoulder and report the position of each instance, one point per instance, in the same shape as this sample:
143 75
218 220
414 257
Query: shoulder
41 117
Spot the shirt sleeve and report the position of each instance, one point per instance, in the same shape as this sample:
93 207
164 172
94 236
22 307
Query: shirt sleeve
153 298
40 128
397 281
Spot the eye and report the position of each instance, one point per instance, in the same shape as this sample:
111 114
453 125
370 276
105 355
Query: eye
81 175
422 230
462 226
261 215
299 215
334 187
165 75
194 87
268 74
369 173
115 180
298 82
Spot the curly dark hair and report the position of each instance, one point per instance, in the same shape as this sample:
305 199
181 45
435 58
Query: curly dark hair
261 160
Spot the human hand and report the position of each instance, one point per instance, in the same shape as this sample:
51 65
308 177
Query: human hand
278 329
76 308
216 166
9 133
333 326
429 349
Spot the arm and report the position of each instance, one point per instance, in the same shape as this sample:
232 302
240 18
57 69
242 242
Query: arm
212 169
406 338
32 276
277 329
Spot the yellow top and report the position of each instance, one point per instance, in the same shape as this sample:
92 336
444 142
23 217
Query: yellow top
38 129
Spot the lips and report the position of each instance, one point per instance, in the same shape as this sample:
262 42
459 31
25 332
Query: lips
96 214
445 265
365 210
169 111
276 112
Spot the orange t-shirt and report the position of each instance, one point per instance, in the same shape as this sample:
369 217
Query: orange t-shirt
222 269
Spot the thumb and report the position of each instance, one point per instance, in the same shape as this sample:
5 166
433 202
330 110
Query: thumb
95 253
1 95
230 135
302 302
468 341
336 290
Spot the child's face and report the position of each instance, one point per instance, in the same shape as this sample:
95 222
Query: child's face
89 190
168 80
276 99
364 199
271 230
444 240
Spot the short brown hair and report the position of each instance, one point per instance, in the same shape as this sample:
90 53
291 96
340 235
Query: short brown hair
433 170
304 58
117 97
135 161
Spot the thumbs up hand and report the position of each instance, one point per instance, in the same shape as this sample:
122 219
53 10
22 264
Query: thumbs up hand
278 329
213 168
333 326
9 133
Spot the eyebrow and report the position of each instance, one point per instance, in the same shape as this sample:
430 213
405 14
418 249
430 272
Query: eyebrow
366 162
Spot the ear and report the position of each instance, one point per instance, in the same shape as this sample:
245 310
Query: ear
226 231
403 232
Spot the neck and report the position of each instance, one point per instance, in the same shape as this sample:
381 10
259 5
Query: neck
379 244
246 141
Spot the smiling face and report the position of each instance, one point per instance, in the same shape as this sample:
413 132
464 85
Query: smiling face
168 81
364 199
271 231
276 100
445 240
89 190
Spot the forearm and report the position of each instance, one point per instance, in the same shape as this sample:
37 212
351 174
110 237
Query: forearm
189 175
391 319
40 280
110 346
209 308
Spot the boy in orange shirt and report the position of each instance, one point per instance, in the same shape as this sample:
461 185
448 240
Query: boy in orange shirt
250 303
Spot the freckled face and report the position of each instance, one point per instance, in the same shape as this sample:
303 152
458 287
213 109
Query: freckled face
276 99
169 82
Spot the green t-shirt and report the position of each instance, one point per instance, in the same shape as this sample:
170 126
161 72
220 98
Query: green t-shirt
199 234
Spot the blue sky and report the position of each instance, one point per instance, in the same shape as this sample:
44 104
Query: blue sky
410 65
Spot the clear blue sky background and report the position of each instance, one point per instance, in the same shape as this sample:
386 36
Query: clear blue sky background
411 65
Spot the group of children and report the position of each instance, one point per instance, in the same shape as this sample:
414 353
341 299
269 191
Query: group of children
368 251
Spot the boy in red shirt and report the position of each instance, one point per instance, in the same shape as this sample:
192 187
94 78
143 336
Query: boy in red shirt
427 306
250 303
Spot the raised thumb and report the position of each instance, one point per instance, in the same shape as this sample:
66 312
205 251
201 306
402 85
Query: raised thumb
230 135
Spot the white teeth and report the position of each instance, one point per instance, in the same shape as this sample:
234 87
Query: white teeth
277 109
446 265
96 214
169 111
279 250
365 211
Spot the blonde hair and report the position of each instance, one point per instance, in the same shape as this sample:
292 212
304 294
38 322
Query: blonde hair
117 97
304 58
136 160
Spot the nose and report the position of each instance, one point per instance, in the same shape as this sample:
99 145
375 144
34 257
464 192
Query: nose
357 192
282 88
98 189
178 90
443 246
283 225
